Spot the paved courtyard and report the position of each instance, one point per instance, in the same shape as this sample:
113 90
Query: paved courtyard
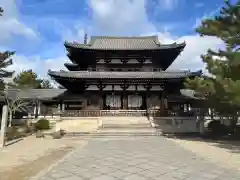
141 158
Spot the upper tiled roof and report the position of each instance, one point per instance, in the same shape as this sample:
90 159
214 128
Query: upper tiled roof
122 75
124 43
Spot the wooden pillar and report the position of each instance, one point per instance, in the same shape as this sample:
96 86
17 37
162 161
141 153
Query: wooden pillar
36 108
126 100
122 101
148 101
39 108
100 100
63 106
144 101
162 98
101 97
104 100
124 97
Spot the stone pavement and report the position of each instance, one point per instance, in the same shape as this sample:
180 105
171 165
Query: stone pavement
139 158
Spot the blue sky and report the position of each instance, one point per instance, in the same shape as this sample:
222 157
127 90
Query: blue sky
37 29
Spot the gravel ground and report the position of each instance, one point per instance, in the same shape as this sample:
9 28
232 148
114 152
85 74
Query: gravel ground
26 158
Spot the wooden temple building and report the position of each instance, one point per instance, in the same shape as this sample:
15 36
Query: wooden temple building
116 73
128 73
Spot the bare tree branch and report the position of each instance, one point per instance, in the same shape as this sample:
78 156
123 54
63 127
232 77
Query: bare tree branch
14 104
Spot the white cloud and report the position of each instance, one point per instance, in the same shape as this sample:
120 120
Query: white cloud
38 65
168 4
199 5
121 17
195 47
190 57
206 15
11 24
75 33
125 17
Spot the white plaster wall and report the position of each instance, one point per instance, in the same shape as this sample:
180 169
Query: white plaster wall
176 125
78 125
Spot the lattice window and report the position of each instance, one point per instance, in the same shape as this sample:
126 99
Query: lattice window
134 101
113 101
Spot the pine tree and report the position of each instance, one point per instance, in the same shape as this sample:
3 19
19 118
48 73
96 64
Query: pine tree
46 84
1 11
29 79
222 87
5 61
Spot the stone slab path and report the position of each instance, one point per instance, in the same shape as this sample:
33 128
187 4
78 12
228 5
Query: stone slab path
140 158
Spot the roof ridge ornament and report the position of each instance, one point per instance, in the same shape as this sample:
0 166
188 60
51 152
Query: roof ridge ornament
85 37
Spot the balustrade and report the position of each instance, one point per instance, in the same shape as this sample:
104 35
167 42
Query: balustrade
123 113
170 113
81 113
98 113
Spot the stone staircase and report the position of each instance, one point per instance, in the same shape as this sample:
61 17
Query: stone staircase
119 127
125 122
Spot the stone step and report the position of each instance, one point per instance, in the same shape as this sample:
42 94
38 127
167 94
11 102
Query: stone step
127 129
124 118
112 132
124 122
76 134
126 125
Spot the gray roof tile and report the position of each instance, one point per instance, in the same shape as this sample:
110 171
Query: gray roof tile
122 75
34 93
72 66
124 43
191 94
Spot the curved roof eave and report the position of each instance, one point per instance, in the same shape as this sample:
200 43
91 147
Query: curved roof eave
71 64
191 94
120 75
160 47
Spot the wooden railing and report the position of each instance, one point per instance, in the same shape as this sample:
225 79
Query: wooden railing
81 113
97 113
123 113
169 113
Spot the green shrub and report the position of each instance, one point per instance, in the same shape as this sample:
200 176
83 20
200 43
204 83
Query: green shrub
43 124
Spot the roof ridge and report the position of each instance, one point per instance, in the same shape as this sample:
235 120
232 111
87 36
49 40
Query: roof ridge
152 37
125 37
93 38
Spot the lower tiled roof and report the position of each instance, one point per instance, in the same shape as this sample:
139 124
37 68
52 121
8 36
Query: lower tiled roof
34 93
48 94
122 75
190 94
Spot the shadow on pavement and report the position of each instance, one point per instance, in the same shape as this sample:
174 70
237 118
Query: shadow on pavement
232 144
